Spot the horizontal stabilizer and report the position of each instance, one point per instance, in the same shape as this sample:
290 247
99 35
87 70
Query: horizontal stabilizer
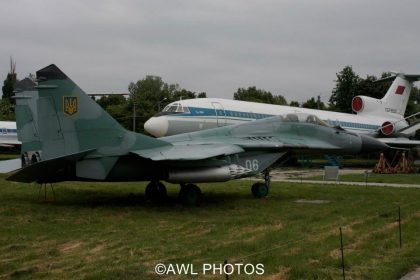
10 165
189 152
408 77
410 129
46 168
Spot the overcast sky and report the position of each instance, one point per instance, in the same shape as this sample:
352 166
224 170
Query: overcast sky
293 48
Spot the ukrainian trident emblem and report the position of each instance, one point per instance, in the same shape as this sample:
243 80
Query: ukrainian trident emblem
70 105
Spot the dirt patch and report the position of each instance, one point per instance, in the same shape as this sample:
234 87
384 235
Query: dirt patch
69 246
282 274
315 201
97 248
200 231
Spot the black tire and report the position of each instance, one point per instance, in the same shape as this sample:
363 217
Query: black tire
259 190
190 195
155 191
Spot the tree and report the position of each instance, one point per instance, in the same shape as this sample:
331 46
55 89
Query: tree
110 100
7 112
151 94
370 87
344 91
258 95
314 104
294 104
118 107
413 105
202 95
9 83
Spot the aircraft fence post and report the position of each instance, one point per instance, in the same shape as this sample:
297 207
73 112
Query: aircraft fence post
366 177
224 267
342 253
134 116
399 224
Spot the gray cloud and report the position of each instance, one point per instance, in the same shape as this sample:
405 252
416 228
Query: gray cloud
292 48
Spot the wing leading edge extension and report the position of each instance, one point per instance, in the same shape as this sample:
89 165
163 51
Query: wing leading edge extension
189 152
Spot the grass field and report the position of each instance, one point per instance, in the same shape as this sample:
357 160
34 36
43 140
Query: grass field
9 156
376 178
109 231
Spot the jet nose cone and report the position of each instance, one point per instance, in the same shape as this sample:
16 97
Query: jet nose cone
157 126
372 145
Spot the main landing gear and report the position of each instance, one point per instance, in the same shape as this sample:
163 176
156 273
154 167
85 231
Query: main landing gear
260 189
155 190
189 194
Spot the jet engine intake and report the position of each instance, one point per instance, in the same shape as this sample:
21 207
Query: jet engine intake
365 104
387 128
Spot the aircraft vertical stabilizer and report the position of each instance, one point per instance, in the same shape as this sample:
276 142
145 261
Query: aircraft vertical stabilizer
393 104
396 98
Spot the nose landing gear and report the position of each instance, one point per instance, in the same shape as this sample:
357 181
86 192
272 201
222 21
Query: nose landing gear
259 189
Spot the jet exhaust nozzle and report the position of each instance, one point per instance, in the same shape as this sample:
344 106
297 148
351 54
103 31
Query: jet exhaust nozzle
372 145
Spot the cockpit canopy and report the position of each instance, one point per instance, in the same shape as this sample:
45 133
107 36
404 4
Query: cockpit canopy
176 108
173 108
303 118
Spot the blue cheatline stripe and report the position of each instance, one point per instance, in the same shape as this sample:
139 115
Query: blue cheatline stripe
206 112
7 130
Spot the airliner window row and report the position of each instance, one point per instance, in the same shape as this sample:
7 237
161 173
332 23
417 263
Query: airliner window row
6 130
247 115
353 125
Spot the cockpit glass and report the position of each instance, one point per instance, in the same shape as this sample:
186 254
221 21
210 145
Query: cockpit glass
175 108
172 108
304 118
291 118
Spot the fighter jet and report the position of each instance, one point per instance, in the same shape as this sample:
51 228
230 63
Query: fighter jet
66 136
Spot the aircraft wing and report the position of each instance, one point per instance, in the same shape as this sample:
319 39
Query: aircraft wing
273 144
9 143
199 151
400 142
189 151
10 165
50 166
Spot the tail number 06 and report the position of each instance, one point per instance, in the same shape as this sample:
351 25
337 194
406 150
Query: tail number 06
252 164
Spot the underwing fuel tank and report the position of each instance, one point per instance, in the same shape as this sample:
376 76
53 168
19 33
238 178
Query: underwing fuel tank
207 174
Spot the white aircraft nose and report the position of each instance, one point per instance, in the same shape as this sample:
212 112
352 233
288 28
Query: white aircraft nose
157 126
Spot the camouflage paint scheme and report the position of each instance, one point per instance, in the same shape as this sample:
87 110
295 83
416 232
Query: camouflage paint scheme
66 135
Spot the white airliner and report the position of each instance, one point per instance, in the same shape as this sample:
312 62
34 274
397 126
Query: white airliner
8 134
378 117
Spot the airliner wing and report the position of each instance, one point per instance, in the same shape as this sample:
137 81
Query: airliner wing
410 129
9 142
400 142
10 165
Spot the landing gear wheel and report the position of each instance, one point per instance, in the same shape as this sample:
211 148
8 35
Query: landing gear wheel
190 194
155 191
259 190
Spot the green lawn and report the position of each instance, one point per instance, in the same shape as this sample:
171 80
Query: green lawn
377 178
109 231
7 156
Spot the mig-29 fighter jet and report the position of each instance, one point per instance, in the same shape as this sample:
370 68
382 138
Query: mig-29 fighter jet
66 136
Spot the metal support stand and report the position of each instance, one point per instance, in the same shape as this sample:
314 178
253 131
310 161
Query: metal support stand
44 187
267 177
